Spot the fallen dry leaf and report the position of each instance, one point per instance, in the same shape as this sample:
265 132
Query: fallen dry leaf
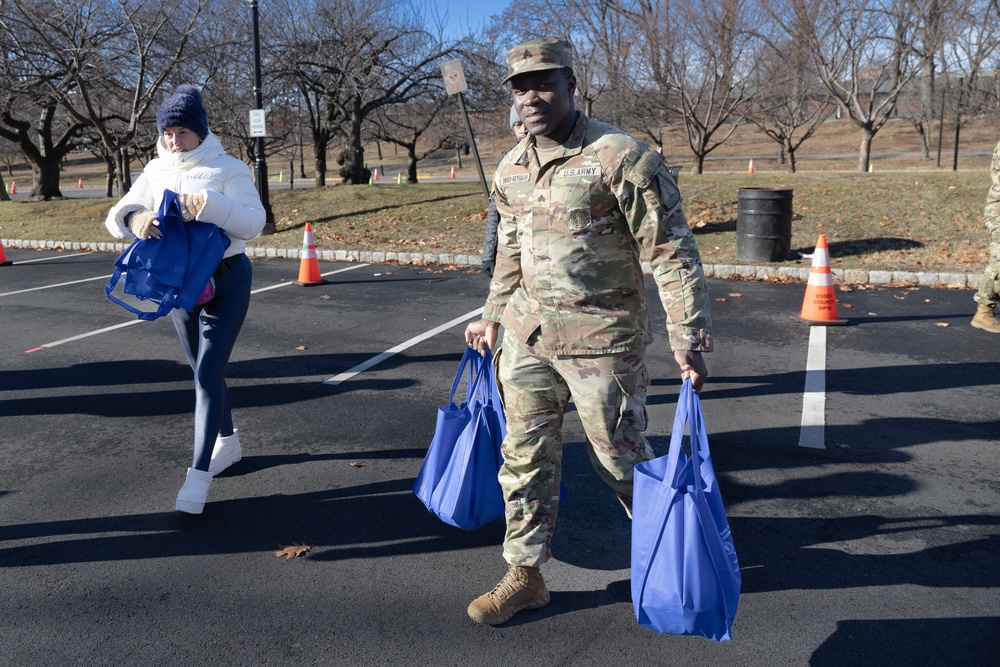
325 296
735 295
301 348
845 288
720 299
940 324
293 551
847 305
927 300
355 464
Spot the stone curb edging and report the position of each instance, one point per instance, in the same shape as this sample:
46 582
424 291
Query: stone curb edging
734 271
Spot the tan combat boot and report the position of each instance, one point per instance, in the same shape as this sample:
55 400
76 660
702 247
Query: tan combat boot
521 588
985 319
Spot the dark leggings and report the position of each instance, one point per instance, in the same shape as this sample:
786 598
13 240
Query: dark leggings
208 336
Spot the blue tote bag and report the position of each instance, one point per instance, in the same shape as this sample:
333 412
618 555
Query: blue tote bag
458 479
171 271
685 575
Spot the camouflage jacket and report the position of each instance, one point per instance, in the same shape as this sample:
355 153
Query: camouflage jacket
992 212
573 233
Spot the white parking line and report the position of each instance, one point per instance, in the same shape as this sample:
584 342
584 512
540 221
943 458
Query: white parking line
379 358
72 282
46 259
813 430
323 275
137 321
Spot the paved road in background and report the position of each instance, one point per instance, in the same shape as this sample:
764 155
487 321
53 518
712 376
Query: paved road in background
879 549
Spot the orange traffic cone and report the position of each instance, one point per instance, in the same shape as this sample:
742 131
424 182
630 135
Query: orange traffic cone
750 168
3 257
375 175
13 187
79 183
453 172
820 304
309 265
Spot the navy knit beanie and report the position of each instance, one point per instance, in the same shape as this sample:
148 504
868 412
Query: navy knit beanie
183 109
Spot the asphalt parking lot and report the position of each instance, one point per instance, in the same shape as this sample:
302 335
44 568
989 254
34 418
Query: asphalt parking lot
880 548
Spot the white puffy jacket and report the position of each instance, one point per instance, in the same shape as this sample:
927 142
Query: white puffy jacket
231 199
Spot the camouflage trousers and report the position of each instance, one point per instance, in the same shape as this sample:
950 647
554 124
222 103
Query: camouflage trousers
989 285
609 392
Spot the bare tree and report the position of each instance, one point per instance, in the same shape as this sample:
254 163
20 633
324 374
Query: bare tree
865 54
407 125
699 54
116 57
29 110
791 103
970 55
350 59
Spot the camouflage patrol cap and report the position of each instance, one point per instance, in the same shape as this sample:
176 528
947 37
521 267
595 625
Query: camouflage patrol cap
539 54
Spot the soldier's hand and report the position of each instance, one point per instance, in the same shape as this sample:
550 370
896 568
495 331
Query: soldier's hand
692 366
482 334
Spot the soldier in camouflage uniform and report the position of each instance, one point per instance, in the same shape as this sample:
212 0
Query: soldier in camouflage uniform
989 287
581 205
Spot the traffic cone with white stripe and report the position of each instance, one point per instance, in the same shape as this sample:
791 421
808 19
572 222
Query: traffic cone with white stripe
79 183
308 264
820 304
13 187
750 168
3 257
452 172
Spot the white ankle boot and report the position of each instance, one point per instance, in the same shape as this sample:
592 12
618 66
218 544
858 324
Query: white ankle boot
227 451
191 498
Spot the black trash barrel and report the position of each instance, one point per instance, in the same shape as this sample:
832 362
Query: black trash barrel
763 224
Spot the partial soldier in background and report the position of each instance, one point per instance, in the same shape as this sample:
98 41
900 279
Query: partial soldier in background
989 287
581 205
492 217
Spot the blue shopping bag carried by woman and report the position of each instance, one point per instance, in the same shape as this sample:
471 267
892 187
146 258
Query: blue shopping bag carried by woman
458 479
685 575
171 271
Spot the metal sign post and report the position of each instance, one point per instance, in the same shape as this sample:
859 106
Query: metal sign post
454 84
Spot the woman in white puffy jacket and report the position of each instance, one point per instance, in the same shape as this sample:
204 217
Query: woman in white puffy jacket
215 188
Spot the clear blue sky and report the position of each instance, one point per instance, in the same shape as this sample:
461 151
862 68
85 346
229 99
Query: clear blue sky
464 15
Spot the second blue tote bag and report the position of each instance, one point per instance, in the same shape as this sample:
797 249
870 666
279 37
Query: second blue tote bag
458 479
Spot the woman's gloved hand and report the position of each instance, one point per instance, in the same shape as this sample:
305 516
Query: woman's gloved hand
144 225
190 206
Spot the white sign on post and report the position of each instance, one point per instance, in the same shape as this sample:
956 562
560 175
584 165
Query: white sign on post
257 126
454 77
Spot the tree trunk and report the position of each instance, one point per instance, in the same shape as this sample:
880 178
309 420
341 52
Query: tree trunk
411 163
791 159
319 155
865 155
354 166
45 172
109 181
124 170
